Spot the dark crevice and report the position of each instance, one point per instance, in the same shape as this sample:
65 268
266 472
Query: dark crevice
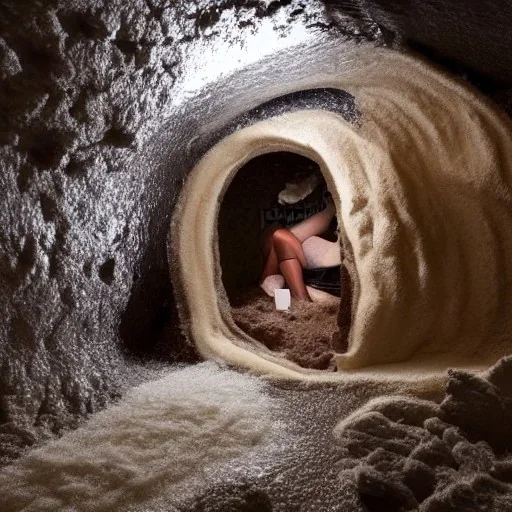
25 177
272 7
87 269
106 271
208 17
245 23
75 168
22 327
40 58
118 138
45 148
48 207
128 48
297 11
47 155
67 298
86 25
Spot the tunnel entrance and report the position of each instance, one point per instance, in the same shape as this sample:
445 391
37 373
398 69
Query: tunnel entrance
308 333
424 208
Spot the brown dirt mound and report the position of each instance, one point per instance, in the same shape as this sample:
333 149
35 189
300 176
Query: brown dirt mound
305 333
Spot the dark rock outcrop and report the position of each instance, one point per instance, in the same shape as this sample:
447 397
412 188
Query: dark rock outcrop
470 38
409 454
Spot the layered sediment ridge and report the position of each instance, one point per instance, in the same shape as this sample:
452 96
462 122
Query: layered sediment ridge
423 190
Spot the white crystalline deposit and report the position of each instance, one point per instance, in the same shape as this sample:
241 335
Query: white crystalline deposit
162 434
423 188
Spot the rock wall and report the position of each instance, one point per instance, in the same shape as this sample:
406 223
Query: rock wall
92 129
470 38
86 189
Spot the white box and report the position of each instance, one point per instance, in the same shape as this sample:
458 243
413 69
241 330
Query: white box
283 299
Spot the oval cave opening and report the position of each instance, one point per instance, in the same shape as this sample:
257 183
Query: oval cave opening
277 229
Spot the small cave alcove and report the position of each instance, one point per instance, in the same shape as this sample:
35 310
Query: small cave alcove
308 334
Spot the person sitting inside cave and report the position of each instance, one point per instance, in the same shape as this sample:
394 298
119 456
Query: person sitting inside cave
298 257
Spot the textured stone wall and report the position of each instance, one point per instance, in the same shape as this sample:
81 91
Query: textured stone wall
93 127
91 152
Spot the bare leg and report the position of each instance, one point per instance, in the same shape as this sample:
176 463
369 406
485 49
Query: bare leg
292 273
271 265
290 256
271 277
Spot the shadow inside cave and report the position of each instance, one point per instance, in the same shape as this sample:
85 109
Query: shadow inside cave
308 333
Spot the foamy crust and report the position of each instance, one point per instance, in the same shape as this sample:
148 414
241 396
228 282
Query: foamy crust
422 189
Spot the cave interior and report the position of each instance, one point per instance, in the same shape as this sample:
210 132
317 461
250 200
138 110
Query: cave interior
308 333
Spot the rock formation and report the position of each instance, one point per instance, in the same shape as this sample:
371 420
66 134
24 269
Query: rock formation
95 128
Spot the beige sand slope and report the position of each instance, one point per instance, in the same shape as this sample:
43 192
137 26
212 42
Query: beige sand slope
423 187
159 442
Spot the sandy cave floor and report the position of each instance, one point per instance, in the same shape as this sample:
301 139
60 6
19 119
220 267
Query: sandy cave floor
296 468
217 440
304 335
